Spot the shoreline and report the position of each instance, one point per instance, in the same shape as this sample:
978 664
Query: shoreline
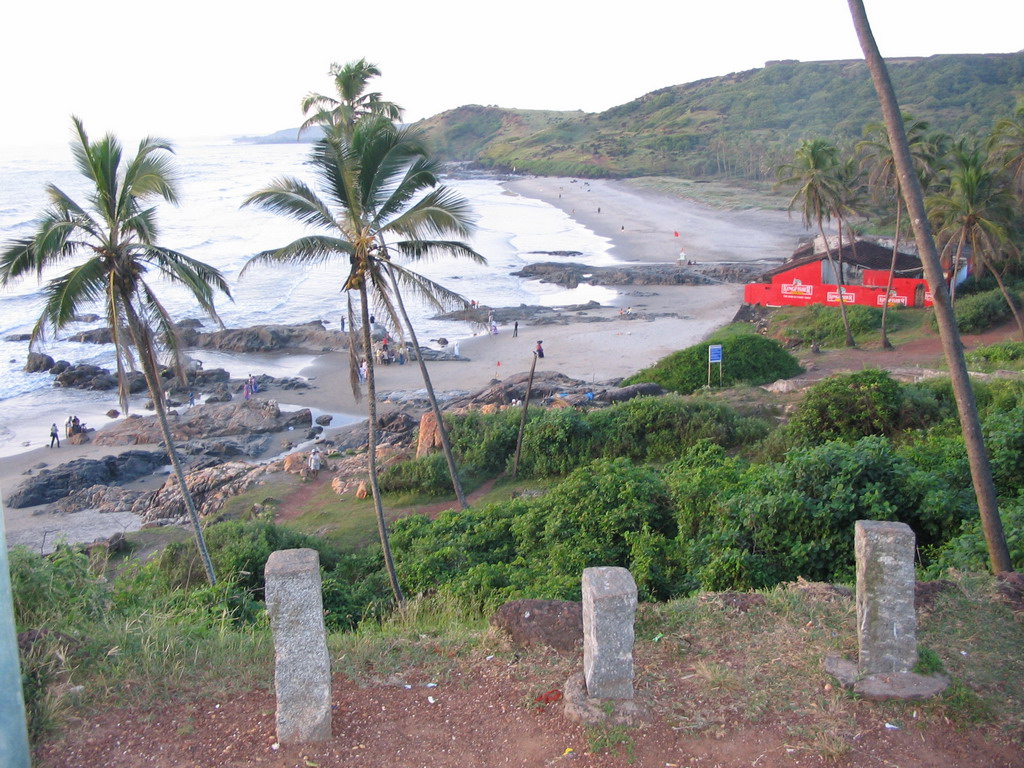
591 345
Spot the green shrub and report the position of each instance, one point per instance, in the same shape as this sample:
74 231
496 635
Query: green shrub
555 442
977 312
848 407
427 475
968 550
481 442
657 429
1006 355
825 324
747 359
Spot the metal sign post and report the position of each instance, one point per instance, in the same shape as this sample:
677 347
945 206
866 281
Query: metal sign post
14 751
715 356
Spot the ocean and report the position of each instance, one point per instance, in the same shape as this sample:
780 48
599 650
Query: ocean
209 224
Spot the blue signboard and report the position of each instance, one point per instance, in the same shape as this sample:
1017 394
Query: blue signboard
715 353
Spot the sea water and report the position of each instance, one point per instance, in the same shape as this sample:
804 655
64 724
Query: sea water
211 225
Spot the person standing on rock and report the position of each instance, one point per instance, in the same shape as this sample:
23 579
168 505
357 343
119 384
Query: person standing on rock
54 435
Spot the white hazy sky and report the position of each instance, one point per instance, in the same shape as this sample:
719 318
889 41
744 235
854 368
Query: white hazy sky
221 67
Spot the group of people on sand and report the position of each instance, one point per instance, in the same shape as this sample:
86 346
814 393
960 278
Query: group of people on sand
250 387
73 426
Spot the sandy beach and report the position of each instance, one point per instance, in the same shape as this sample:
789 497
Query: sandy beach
641 227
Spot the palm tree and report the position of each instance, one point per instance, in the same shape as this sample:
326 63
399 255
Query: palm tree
116 235
1007 146
976 210
380 195
814 173
977 455
352 102
883 180
338 118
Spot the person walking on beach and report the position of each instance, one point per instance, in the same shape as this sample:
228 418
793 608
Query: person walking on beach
540 350
54 435
515 330
315 462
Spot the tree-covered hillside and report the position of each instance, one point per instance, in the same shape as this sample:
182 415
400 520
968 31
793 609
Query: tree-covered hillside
739 125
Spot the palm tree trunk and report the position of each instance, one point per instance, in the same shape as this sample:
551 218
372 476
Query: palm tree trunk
886 344
446 445
371 447
842 284
955 268
832 263
147 356
981 470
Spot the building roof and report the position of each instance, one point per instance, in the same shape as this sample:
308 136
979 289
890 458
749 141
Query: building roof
866 255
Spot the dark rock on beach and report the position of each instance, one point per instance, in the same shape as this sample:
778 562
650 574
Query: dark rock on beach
52 484
37 362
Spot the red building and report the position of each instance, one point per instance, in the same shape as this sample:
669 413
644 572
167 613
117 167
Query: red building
808 278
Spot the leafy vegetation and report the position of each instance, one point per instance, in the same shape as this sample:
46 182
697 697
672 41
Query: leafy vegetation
740 125
748 359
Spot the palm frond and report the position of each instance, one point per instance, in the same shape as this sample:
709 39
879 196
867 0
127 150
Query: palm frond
312 250
293 198
64 296
431 293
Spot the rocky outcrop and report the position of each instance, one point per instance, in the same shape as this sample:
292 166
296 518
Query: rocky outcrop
309 337
37 362
53 484
210 489
248 417
554 389
557 624
429 439
572 275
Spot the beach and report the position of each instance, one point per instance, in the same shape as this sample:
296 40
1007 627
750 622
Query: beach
593 345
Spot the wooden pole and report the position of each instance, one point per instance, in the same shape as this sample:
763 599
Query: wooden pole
522 420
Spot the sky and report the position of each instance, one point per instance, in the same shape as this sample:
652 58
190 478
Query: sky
192 69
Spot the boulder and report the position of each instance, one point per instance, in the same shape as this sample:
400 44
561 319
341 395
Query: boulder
37 362
361 492
556 624
53 484
429 436
324 419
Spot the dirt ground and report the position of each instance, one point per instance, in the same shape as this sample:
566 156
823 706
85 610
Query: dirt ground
485 713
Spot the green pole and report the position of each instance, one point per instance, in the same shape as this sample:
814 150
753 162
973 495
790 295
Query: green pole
13 729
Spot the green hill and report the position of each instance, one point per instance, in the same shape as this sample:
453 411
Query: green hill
739 125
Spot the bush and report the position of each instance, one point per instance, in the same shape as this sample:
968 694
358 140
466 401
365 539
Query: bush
481 442
848 407
978 312
748 359
825 324
1007 355
968 551
555 442
657 429
427 475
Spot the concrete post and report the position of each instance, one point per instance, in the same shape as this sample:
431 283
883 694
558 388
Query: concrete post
886 620
302 666
13 728
609 608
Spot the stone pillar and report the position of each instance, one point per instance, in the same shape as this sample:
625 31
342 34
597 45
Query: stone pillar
609 608
886 621
302 666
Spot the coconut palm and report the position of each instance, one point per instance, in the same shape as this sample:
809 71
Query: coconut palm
338 117
112 239
380 195
352 101
813 172
1007 146
976 210
981 470
883 180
